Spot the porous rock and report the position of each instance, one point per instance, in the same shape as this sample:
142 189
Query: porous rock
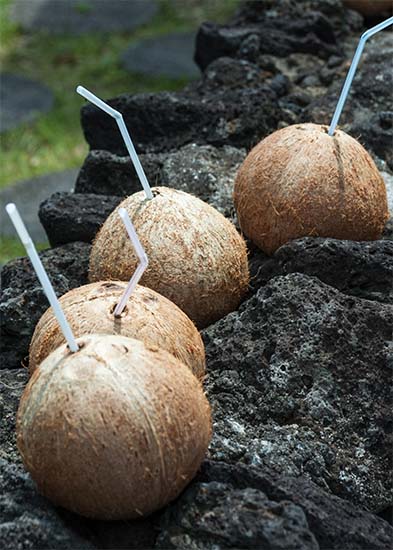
12 383
299 379
362 269
105 173
367 114
202 170
167 120
23 301
69 217
278 33
28 521
237 506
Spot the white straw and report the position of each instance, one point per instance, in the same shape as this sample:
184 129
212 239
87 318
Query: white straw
124 132
352 69
143 259
41 274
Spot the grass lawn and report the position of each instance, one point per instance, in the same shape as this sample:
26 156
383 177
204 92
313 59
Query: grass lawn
55 141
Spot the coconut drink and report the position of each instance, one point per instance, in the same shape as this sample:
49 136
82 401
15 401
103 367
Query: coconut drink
115 430
148 316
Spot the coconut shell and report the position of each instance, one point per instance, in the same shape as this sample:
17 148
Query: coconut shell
299 182
369 7
197 259
115 430
148 316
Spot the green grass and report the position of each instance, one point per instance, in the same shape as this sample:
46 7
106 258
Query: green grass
12 248
55 141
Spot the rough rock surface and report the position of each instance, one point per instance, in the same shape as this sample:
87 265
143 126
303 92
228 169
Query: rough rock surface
362 269
299 379
368 112
12 383
106 173
69 217
22 300
164 121
203 170
242 507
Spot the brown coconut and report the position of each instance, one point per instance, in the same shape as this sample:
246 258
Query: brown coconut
148 316
299 181
115 430
369 7
197 259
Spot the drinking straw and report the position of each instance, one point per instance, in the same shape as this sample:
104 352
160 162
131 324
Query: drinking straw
143 259
352 69
124 132
42 275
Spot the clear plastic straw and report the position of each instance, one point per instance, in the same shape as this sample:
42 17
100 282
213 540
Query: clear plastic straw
352 69
143 259
42 275
124 132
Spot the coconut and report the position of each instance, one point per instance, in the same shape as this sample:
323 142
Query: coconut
369 7
197 259
148 316
299 181
115 430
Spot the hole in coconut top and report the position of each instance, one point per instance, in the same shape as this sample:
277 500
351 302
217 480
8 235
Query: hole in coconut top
81 344
122 314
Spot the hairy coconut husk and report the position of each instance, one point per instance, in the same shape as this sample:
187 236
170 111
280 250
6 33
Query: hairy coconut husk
299 181
369 7
148 316
115 430
197 259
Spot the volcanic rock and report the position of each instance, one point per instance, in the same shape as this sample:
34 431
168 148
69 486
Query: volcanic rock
164 121
299 379
105 173
69 217
362 269
237 506
202 170
23 301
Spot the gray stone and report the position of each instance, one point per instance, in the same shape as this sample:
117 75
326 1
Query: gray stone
69 217
28 521
367 114
362 269
168 120
22 100
237 506
23 301
106 173
202 170
311 32
169 55
27 195
388 179
12 383
81 16
293 377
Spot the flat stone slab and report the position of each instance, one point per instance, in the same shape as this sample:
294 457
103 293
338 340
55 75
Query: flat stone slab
81 16
27 195
22 100
171 55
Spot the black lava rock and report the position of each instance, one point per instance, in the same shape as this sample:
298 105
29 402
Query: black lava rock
164 121
279 36
69 217
299 380
12 383
105 173
363 269
23 301
237 506
202 170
